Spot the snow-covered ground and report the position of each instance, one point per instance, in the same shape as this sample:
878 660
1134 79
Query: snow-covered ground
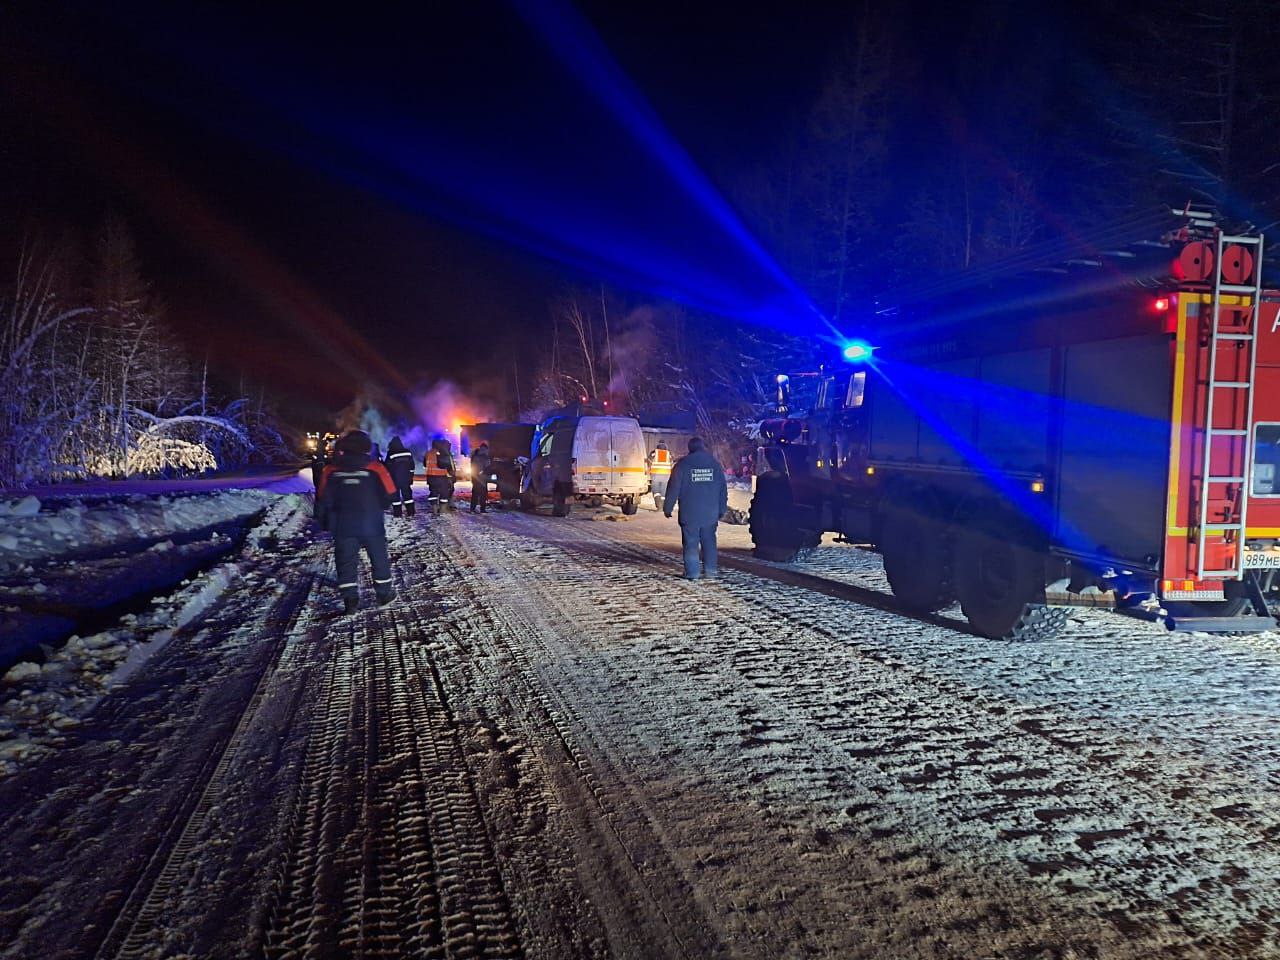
552 746
73 561
32 531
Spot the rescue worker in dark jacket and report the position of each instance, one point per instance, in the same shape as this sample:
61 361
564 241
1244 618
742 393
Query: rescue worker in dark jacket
355 492
698 487
440 475
317 468
481 466
399 464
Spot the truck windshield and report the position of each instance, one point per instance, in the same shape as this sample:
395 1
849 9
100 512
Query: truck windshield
857 389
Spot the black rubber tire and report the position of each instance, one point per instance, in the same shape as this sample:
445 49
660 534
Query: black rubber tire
1000 583
775 554
629 506
917 559
595 502
559 503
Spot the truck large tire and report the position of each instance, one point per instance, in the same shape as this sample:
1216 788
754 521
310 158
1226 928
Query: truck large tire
917 559
773 522
630 506
1000 582
559 502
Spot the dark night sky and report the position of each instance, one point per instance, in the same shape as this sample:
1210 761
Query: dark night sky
426 181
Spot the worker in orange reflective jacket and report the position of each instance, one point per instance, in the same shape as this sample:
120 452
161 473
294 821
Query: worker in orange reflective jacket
660 463
440 475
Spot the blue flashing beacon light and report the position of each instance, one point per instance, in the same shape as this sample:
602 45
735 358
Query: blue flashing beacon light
857 351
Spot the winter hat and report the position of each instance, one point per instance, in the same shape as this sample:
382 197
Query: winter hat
357 441
695 444
396 445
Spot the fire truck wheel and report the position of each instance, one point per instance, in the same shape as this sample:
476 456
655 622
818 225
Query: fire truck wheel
1001 587
917 560
629 506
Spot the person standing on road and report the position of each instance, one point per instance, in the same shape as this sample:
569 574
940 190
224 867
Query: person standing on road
317 467
699 489
481 465
440 475
355 492
399 464
659 472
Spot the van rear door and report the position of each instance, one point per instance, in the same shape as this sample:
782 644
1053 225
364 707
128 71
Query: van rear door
593 450
628 457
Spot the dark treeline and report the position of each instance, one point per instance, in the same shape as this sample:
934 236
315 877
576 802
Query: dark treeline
947 137
94 381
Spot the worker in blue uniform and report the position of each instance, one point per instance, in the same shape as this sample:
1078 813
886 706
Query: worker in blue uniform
699 490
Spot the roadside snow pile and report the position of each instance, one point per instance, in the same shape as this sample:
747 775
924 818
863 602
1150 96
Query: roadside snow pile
41 703
30 534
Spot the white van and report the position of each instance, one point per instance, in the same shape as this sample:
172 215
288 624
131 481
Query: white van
587 458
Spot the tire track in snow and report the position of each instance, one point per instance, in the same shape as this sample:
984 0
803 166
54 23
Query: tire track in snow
649 906
142 923
390 855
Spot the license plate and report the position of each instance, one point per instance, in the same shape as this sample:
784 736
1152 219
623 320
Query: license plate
1262 560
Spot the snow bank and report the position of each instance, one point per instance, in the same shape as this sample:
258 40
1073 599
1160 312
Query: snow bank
40 703
75 527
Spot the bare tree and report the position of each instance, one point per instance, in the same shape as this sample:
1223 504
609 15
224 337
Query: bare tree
39 408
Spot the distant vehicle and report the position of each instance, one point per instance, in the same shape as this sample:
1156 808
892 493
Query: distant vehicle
597 459
1105 417
318 443
509 446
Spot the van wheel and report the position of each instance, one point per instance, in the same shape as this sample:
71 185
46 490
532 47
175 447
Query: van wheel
1001 587
917 559
657 502
595 502
629 506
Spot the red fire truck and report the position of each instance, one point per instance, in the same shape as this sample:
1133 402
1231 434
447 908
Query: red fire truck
1098 428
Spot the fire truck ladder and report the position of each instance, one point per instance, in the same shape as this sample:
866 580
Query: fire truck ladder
1230 532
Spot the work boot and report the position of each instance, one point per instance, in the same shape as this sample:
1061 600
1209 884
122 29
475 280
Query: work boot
410 509
395 510
385 598
350 604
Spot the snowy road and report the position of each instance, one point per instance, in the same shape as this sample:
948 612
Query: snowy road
552 746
